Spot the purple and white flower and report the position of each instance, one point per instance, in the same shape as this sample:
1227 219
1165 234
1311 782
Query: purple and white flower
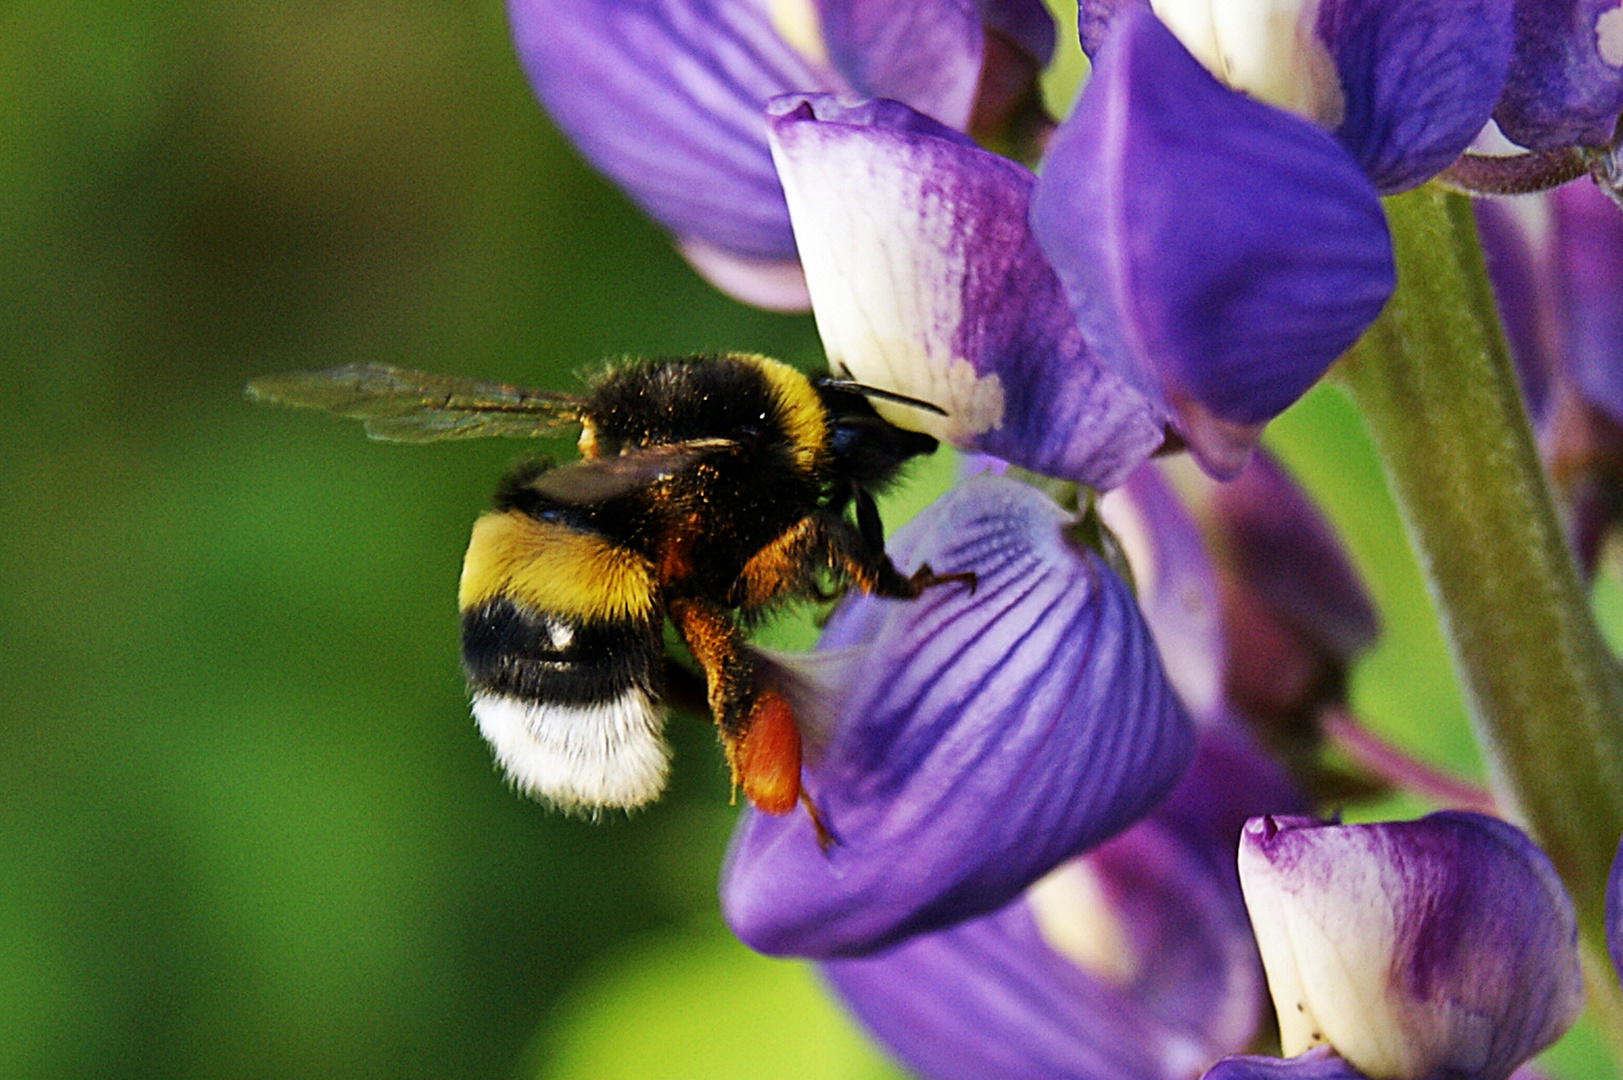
976 740
1439 947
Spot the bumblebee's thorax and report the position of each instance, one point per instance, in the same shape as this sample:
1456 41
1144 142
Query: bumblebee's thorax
749 399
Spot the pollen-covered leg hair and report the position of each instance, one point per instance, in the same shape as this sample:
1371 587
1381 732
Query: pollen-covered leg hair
853 555
756 725
788 566
858 552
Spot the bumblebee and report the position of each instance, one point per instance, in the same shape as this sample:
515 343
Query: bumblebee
710 489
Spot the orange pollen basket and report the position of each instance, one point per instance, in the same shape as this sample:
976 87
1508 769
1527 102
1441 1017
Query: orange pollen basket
769 756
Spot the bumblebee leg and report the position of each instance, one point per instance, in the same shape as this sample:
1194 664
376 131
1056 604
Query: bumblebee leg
785 567
757 727
860 552
825 836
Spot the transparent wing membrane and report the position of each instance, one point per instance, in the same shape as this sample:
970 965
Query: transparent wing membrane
399 405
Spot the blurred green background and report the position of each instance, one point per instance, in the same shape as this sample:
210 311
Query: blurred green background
247 829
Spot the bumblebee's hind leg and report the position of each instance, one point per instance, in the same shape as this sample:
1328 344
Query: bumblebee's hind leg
756 725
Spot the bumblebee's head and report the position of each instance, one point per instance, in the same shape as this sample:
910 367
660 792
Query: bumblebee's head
867 450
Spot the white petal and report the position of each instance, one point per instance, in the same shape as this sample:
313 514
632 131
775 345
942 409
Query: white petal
1267 49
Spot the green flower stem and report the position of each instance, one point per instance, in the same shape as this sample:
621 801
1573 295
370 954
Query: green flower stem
1434 383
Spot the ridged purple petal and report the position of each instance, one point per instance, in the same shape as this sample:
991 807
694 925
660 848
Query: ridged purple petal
1419 79
1219 253
1565 84
983 738
1134 961
1439 947
926 281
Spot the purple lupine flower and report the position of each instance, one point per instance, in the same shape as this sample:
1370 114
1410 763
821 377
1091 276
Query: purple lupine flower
1219 253
1439 947
1135 960
978 740
665 97
926 281
1565 85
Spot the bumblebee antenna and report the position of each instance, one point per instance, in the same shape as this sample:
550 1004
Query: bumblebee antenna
884 395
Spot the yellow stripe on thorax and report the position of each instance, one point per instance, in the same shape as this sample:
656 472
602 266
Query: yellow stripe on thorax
553 568
805 422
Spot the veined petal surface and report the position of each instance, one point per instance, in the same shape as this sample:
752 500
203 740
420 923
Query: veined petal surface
927 54
1565 84
1419 78
984 738
1219 253
926 281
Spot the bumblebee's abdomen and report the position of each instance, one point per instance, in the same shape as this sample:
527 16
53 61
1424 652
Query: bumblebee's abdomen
507 649
561 643
554 568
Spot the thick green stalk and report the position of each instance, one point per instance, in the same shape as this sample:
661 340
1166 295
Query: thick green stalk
1436 388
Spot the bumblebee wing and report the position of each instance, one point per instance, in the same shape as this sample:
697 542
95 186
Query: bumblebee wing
582 483
416 406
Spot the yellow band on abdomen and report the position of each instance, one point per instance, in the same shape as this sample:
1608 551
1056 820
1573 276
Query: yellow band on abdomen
553 569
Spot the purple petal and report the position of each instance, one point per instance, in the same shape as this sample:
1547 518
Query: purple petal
1219 253
1589 253
927 54
665 97
1295 613
1230 782
992 997
1420 78
926 281
1283 550
1135 960
983 739
1027 23
1176 584
1565 84
1316 1064
1439 947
